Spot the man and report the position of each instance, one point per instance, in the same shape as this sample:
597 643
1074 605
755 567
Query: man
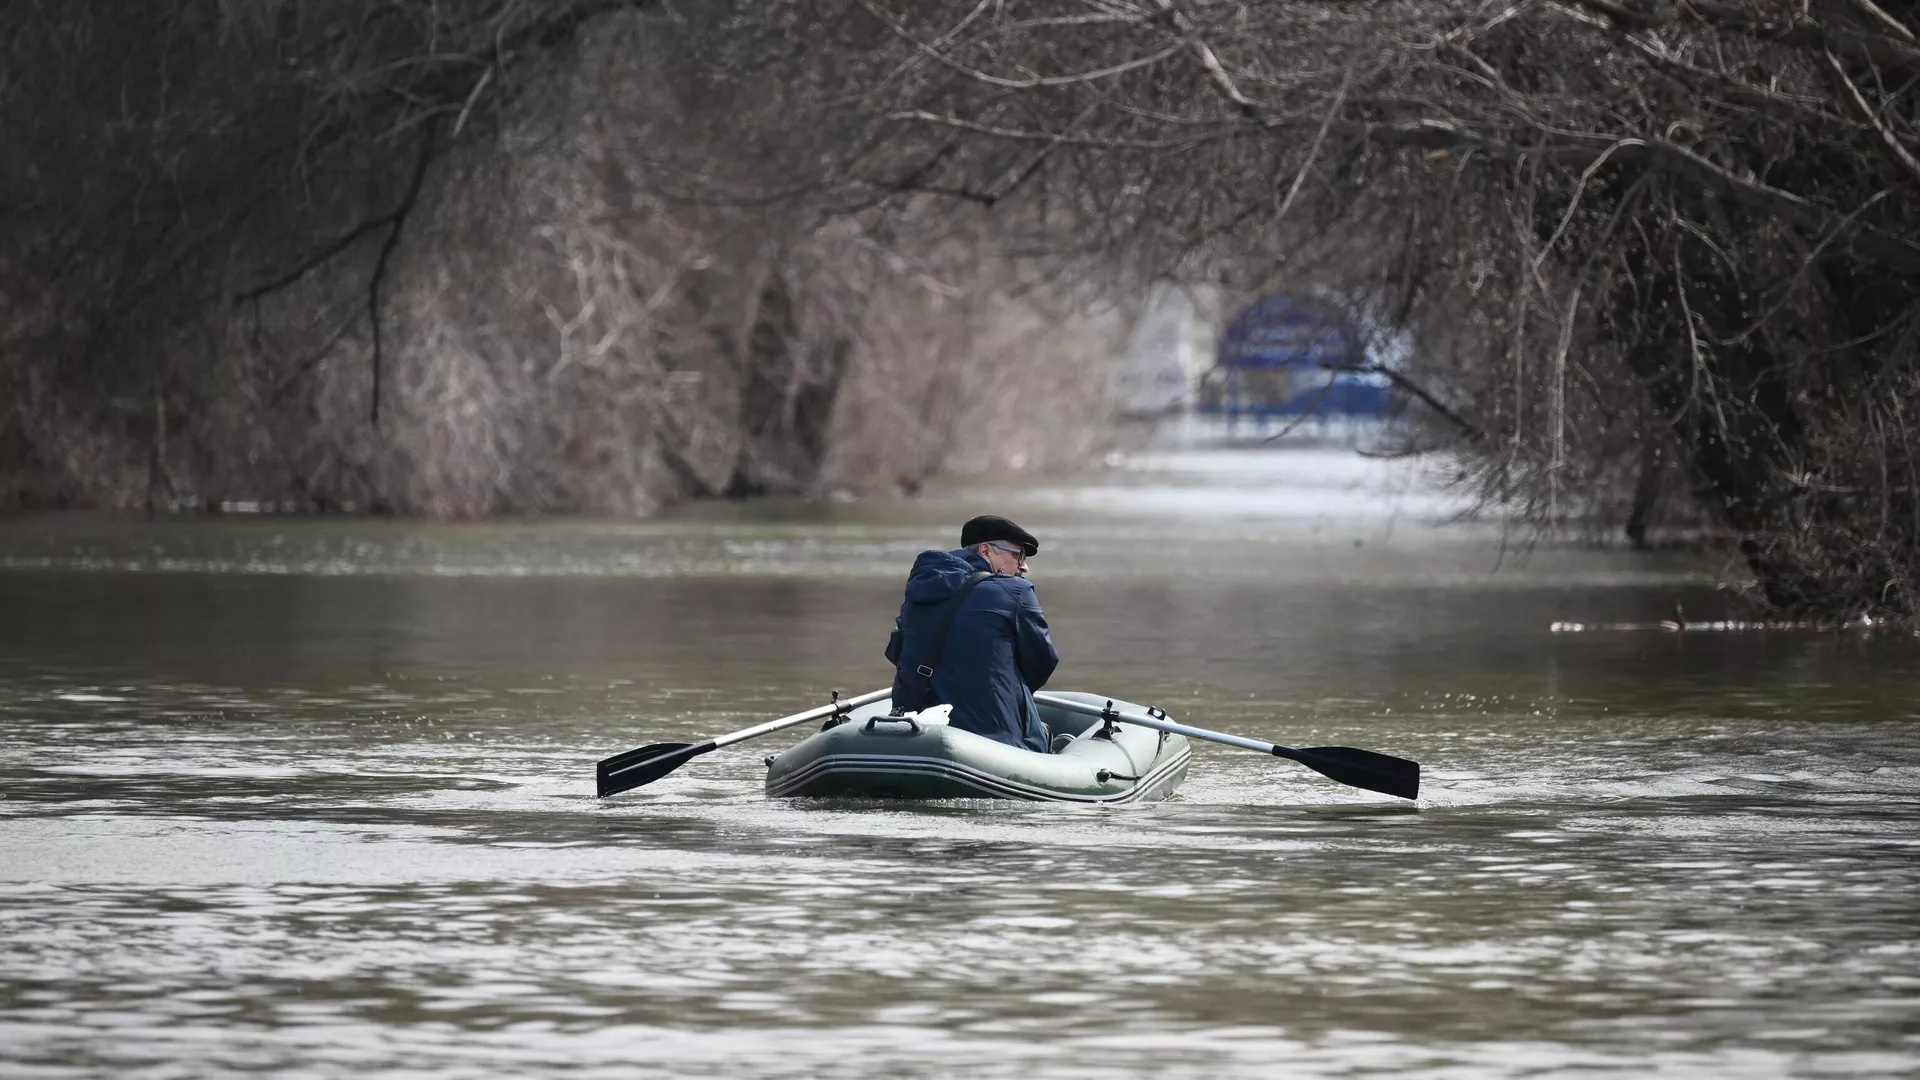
997 651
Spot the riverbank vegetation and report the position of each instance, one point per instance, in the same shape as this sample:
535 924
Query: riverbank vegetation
477 256
1647 248
467 257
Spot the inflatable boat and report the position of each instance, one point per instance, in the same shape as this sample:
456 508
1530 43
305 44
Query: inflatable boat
866 753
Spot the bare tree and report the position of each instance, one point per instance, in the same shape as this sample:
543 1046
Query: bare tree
456 257
1632 237
468 256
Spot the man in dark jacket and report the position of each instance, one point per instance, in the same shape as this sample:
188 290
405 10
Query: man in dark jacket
997 652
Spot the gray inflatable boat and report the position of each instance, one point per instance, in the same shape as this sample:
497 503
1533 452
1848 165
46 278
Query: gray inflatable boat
869 754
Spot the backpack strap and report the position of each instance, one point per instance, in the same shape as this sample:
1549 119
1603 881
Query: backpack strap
924 688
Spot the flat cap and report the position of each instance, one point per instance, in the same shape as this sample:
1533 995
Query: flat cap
990 527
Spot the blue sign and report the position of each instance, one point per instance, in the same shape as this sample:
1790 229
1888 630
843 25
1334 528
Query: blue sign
1291 331
1290 355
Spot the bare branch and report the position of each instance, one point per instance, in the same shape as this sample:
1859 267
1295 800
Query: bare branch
1878 14
1799 33
1900 154
1313 151
1037 81
1427 398
1064 138
399 222
1204 52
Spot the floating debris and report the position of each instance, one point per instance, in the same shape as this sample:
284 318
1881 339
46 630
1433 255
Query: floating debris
1679 623
1723 624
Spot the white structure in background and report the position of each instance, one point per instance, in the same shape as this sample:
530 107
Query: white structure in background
1171 347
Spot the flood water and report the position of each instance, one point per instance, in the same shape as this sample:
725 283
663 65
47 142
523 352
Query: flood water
314 798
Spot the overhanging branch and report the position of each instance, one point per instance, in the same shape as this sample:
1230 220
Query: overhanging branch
1467 428
1575 149
1801 32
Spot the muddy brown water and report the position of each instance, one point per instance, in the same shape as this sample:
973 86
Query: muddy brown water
314 798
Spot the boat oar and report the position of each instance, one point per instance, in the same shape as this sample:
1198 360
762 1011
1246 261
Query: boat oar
623 772
1384 773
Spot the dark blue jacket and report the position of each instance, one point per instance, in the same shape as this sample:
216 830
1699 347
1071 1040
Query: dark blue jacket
997 654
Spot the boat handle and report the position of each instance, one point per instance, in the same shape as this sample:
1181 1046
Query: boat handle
907 720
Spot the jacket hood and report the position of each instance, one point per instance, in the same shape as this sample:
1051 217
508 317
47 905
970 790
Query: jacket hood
937 575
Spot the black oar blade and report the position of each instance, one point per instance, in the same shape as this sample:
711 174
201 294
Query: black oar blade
624 772
1384 773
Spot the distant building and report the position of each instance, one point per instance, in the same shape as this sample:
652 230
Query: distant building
1285 358
1293 354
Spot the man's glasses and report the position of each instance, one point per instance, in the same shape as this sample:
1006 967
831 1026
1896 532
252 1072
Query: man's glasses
1011 549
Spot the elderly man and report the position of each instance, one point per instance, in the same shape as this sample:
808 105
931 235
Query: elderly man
971 635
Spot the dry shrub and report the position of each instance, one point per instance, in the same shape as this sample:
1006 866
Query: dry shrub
462 259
